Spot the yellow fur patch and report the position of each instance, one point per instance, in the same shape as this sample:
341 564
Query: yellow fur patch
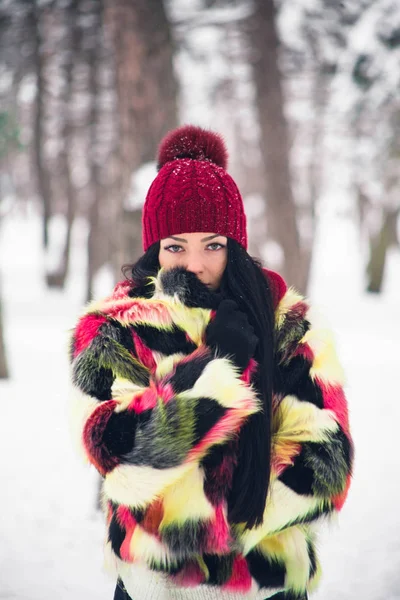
186 499
166 364
282 508
140 485
290 548
220 381
301 421
290 298
325 365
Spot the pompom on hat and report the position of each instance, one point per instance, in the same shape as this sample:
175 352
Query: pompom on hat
192 191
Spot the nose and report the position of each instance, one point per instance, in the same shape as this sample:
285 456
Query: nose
195 265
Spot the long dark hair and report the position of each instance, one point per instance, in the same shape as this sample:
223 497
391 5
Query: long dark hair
244 282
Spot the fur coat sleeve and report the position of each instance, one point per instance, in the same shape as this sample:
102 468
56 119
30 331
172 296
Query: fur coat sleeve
312 445
150 398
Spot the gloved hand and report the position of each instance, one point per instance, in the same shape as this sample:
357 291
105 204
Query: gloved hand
231 334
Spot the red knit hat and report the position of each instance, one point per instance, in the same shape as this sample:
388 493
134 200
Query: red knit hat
192 191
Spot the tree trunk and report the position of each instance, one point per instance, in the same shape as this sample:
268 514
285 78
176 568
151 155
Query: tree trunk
58 277
4 374
95 255
275 145
147 95
43 179
379 245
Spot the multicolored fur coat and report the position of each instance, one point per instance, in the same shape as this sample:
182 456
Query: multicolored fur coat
157 413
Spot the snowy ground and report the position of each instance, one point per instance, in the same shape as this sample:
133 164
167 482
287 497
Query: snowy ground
50 534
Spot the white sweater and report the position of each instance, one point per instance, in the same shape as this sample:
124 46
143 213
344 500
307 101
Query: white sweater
143 584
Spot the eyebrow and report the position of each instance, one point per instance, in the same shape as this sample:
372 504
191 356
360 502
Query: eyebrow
206 239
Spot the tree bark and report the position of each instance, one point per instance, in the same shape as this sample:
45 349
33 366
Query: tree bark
379 245
39 134
58 277
95 255
147 97
275 144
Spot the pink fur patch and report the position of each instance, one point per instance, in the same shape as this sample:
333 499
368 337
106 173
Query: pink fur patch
144 354
240 580
125 517
202 351
145 400
224 429
335 400
298 310
155 313
248 373
305 351
340 499
121 289
93 438
125 548
190 576
165 391
218 534
128 522
86 331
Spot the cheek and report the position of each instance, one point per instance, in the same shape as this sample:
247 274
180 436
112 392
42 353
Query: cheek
217 267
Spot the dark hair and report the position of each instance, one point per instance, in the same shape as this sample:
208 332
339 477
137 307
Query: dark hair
244 282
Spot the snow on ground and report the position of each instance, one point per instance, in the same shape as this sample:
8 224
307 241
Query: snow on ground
50 534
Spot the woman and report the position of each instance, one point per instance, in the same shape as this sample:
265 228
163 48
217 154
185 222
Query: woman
210 402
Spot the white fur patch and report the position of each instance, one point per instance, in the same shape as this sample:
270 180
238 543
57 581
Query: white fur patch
80 407
123 392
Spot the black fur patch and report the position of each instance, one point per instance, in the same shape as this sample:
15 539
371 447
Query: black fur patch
138 514
218 476
190 290
166 342
219 568
313 558
116 535
299 477
145 290
330 462
119 333
186 374
208 412
294 378
92 379
171 569
267 574
186 538
119 434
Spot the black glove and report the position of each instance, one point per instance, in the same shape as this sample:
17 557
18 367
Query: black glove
231 334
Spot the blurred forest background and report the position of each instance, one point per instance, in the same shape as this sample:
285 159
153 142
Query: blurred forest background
89 87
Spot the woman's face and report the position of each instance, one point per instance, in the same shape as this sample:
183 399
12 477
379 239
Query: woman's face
204 254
